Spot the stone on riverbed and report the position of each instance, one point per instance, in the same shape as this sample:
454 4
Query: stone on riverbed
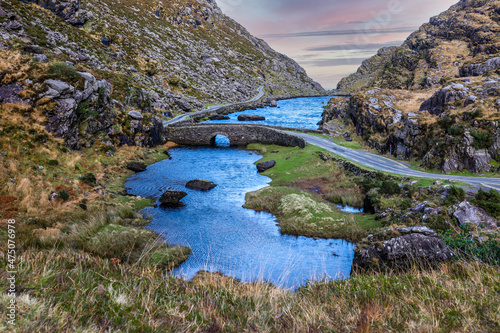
200 184
261 167
250 117
172 198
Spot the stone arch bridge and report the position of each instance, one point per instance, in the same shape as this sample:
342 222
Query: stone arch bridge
238 135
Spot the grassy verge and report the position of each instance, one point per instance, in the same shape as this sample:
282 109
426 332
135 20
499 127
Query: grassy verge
304 192
68 291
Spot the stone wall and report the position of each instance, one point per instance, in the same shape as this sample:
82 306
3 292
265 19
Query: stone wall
239 135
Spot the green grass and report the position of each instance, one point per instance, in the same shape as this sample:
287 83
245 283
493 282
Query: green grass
302 193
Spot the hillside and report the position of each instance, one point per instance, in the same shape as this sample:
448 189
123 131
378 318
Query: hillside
161 58
433 99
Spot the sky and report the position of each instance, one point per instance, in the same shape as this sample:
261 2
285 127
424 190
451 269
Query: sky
330 38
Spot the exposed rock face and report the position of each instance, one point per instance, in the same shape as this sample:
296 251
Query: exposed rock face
261 167
137 167
464 212
465 156
68 10
250 117
437 104
172 198
408 101
481 68
83 116
397 248
10 93
201 185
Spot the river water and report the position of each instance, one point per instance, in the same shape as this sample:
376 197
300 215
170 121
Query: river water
297 113
224 236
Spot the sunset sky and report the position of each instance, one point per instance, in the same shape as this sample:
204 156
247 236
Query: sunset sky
330 38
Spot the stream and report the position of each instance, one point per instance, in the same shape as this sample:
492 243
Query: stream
224 236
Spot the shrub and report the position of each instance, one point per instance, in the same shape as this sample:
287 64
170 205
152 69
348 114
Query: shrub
63 195
482 140
455 195
53 162
446 122
390 187
405 204
489 201
466 247
438 223
63 71
89 179
456 130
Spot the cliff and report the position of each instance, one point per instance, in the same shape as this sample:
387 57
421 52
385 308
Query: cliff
435 98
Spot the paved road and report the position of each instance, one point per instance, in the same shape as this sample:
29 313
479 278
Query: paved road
213 108
382 163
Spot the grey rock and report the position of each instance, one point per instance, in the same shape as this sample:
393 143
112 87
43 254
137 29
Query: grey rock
481 68
135 115
273 103
250 117
261 167
54 196
13 26
60 87
470 100
420 207
416 244
201 185
172 197
465 212
10 93
438 183
41 58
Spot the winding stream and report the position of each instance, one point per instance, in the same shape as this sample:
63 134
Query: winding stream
224 236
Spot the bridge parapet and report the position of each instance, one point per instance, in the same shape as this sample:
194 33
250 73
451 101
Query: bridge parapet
238 135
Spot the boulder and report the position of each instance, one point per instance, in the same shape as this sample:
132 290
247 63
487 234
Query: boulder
261 167
250 117
465 212
273 103
201 185
171 197
137 167
399 248
135 115
219 117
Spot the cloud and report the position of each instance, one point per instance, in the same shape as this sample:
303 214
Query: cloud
333 62
354 46
341 32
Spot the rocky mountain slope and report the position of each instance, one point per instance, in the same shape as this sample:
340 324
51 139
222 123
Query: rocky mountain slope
81 66
435 98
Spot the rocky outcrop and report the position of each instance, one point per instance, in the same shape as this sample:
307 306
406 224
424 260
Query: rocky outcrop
81 117
201 185
250 117
264 166
172 198
400 248
481 68
465 213
438 103
68 10
465 156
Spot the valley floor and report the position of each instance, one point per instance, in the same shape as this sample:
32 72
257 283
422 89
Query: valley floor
99 269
